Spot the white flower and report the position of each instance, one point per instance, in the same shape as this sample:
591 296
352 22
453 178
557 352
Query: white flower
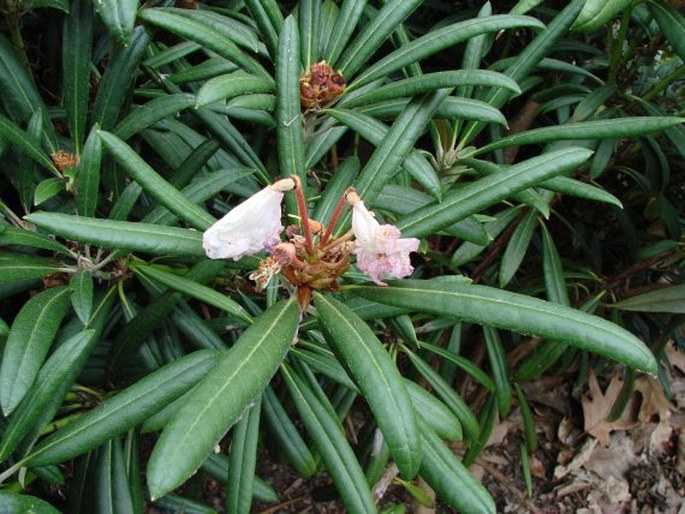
380 251
250 227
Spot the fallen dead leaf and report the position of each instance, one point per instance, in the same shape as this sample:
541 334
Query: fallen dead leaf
537 468
660 438
597 406
654 401
675 356
612 461
580 458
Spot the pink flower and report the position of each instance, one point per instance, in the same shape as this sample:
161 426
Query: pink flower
250 227
380 251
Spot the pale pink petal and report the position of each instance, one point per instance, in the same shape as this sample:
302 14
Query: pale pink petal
380 251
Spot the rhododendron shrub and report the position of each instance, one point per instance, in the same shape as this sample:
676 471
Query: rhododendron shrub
340 236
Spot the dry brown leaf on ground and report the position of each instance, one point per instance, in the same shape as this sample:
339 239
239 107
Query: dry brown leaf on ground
675 356
597 406
654 401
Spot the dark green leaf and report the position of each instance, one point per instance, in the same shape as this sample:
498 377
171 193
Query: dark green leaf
667 299
81 285
46 189
211 410
126 235
326 432
13 503
125 410
478 195
378 379
28 343
288 118
155 185
516 312
119 17
18 267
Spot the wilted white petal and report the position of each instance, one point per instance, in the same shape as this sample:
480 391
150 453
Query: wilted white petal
248 228
380 251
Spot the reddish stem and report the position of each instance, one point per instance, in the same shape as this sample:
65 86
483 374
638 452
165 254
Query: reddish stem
334 219
302 207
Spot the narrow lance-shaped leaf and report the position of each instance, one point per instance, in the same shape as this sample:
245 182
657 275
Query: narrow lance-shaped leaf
450 479
21 98
116 81
243 459
375 131
309 14
482 193
286 435
451 108
598 129
374 34
665 299
46 189
517 312
15 267
119 17
155 185
260 12
348 17
25 174
527 60
449 396
430 82
58 368
111 491
81 285
153 111
25 143
672 24
193 289
378 379
125 235
127 409
19 236
396 145
327 434
221 398
440 39
28 344
498 364
77 44
212 36
225 87
289 130
517 248
89 174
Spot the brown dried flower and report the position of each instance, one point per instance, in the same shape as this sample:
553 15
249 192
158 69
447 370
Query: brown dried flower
319 86
64 160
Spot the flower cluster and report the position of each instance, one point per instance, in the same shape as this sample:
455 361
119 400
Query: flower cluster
309 258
